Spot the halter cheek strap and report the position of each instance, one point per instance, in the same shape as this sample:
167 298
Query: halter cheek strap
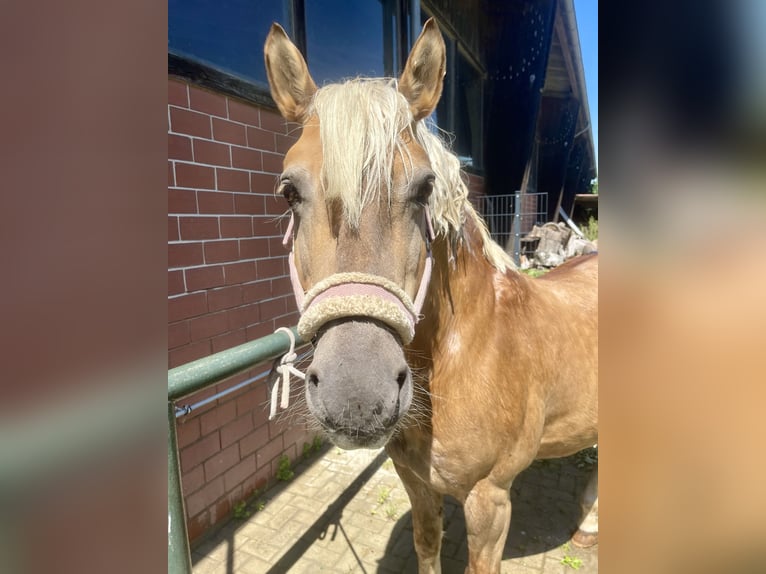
360 294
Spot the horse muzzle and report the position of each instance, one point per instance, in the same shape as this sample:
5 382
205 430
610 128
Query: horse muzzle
359 385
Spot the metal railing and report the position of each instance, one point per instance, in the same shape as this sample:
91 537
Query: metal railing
191 378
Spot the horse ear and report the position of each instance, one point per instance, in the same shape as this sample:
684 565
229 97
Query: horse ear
289 79
423 77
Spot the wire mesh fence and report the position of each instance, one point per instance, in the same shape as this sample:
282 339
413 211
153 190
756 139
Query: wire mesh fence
510 217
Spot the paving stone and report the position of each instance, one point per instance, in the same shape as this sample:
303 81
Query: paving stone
327 519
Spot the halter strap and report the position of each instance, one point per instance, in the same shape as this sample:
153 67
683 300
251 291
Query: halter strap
359 294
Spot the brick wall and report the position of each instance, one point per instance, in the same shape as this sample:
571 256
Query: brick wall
228 283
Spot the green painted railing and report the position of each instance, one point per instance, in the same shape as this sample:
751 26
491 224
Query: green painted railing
188 379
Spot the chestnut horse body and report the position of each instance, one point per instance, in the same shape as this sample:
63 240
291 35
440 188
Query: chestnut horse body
428 341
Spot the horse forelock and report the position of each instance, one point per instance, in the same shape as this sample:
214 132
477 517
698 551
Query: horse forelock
361 125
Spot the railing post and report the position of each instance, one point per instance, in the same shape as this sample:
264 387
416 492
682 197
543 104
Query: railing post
516 227
179 557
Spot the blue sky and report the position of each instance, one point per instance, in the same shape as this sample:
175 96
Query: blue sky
586 12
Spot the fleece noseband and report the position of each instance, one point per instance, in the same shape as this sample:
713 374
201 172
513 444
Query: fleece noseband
359 295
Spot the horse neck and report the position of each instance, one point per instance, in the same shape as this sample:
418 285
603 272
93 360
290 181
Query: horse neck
461 296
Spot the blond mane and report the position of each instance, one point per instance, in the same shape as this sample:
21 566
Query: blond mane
361 123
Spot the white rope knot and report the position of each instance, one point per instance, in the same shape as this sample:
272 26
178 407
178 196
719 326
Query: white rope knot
285 369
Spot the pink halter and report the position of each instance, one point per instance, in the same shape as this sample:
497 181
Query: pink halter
359 294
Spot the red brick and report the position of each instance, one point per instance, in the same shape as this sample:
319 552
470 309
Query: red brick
261 329
190 123
219 416
253 248
205 497
176 282
197 176
289 319
187 431
208 325
178 334
186 306
222 461
270 268
264 183
207 102
250 204
232 180
179 147
225 131
282 287
215 202
245 113
242 272
188 353
204 278
199 228
284 143
244 158
296 435
273 122
277 427
229 340
237 474
261 413
173 229
268 452
236 226
211 153
230 383
193 480
224 298
253 399
219 251
236 429
277 248
272 162
275 205
273 308
255 440
198 525
171 174
177 94
243 316
254 292
185 255
198 452
182 200
260 139
263 226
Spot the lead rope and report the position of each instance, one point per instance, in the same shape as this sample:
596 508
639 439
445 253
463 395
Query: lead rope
285 369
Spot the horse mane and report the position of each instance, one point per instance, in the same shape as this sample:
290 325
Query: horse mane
361 124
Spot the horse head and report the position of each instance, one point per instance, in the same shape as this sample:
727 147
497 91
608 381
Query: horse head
358 182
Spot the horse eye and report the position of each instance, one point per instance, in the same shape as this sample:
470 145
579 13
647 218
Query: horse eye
424 189
290 192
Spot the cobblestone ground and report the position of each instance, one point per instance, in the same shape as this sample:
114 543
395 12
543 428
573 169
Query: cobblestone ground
347 511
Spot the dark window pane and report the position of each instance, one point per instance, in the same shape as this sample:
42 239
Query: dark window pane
227 35
345 39
468 101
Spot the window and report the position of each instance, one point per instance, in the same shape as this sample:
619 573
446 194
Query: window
226 35
459 111
346 39
342 39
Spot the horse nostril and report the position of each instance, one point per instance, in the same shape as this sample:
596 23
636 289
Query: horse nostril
314 380
401 378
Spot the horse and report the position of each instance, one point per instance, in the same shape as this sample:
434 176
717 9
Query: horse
427 339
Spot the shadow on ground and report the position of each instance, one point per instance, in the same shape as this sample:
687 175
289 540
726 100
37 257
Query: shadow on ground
545 514
326 524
